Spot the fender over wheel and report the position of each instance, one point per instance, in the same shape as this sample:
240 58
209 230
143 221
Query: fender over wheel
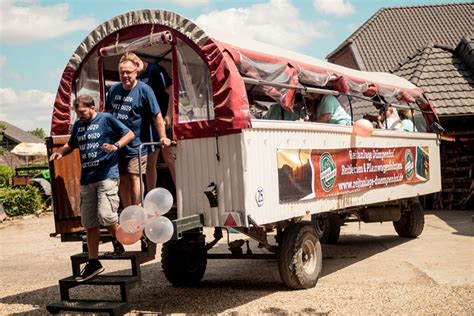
300 257
184 261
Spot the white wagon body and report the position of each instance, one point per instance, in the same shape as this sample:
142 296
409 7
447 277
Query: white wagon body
248 161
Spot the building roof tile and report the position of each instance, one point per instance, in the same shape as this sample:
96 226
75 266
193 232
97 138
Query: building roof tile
18 135
393 34
444 75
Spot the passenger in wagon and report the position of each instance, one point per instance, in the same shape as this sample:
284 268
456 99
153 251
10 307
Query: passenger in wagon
158 79
387 119
406 117
329 110
131 101
276 111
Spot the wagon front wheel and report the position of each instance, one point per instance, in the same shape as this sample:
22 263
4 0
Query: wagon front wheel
300 257
184 261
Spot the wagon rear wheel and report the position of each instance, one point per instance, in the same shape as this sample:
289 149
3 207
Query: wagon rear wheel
411 222
327 227
300 257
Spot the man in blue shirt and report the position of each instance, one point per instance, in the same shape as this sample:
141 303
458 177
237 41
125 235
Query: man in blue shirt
98 137
158 79
131 101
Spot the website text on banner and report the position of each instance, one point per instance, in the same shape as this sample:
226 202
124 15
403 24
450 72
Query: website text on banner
305 174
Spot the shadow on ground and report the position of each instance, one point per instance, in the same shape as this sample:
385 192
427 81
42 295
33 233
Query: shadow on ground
461 221
227 284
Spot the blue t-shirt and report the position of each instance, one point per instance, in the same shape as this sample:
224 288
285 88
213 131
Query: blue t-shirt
97 165
330 105
407 126
131 107
158 79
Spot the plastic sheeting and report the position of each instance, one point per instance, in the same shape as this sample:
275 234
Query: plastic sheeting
228 59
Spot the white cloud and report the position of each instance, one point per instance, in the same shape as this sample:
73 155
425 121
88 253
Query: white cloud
3 61
27 109
339 8
190 3
29 21
276 22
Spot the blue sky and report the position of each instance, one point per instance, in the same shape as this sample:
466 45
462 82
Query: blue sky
37 37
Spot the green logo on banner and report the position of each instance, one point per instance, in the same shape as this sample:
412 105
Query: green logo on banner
327 172
409 164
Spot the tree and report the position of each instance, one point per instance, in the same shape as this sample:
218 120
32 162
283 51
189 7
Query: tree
39 132
3 127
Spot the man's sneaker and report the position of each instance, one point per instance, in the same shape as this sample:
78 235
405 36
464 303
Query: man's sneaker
118 247
90 270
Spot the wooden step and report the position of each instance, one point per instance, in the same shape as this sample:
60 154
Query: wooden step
102 280
91 306
125 282
136 258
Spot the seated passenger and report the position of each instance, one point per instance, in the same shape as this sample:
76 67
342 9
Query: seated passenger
387 118
329 110
407 120
276 111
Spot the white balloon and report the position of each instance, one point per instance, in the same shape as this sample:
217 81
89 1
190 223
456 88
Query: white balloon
159 229
132 219
158 202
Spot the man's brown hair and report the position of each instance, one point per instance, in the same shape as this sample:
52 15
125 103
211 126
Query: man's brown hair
85 100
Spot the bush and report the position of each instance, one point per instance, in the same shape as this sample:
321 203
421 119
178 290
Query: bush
5 174
21 200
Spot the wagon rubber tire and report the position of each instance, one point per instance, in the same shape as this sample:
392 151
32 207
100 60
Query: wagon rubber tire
183 262
300 257
327 227
411 222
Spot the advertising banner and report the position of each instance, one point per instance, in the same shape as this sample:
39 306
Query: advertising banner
309 174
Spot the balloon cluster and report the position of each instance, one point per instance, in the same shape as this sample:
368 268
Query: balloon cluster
136 220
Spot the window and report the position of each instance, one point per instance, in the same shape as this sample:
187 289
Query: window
195 91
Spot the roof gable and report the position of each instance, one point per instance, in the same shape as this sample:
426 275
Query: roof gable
444 76
18 135
393 34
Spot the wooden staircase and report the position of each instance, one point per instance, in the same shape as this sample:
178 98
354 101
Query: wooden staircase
126 283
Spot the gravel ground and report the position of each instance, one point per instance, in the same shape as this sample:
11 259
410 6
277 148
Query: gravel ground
370 270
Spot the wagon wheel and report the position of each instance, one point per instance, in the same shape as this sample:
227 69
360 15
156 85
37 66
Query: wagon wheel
411 222
300 257
184 261
327 227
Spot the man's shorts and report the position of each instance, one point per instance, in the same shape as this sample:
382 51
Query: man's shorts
130 165
99 203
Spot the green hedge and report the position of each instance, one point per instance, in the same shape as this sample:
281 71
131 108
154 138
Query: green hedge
5 173
21 200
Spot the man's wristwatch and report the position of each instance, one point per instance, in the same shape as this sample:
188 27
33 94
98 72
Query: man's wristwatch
116 144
